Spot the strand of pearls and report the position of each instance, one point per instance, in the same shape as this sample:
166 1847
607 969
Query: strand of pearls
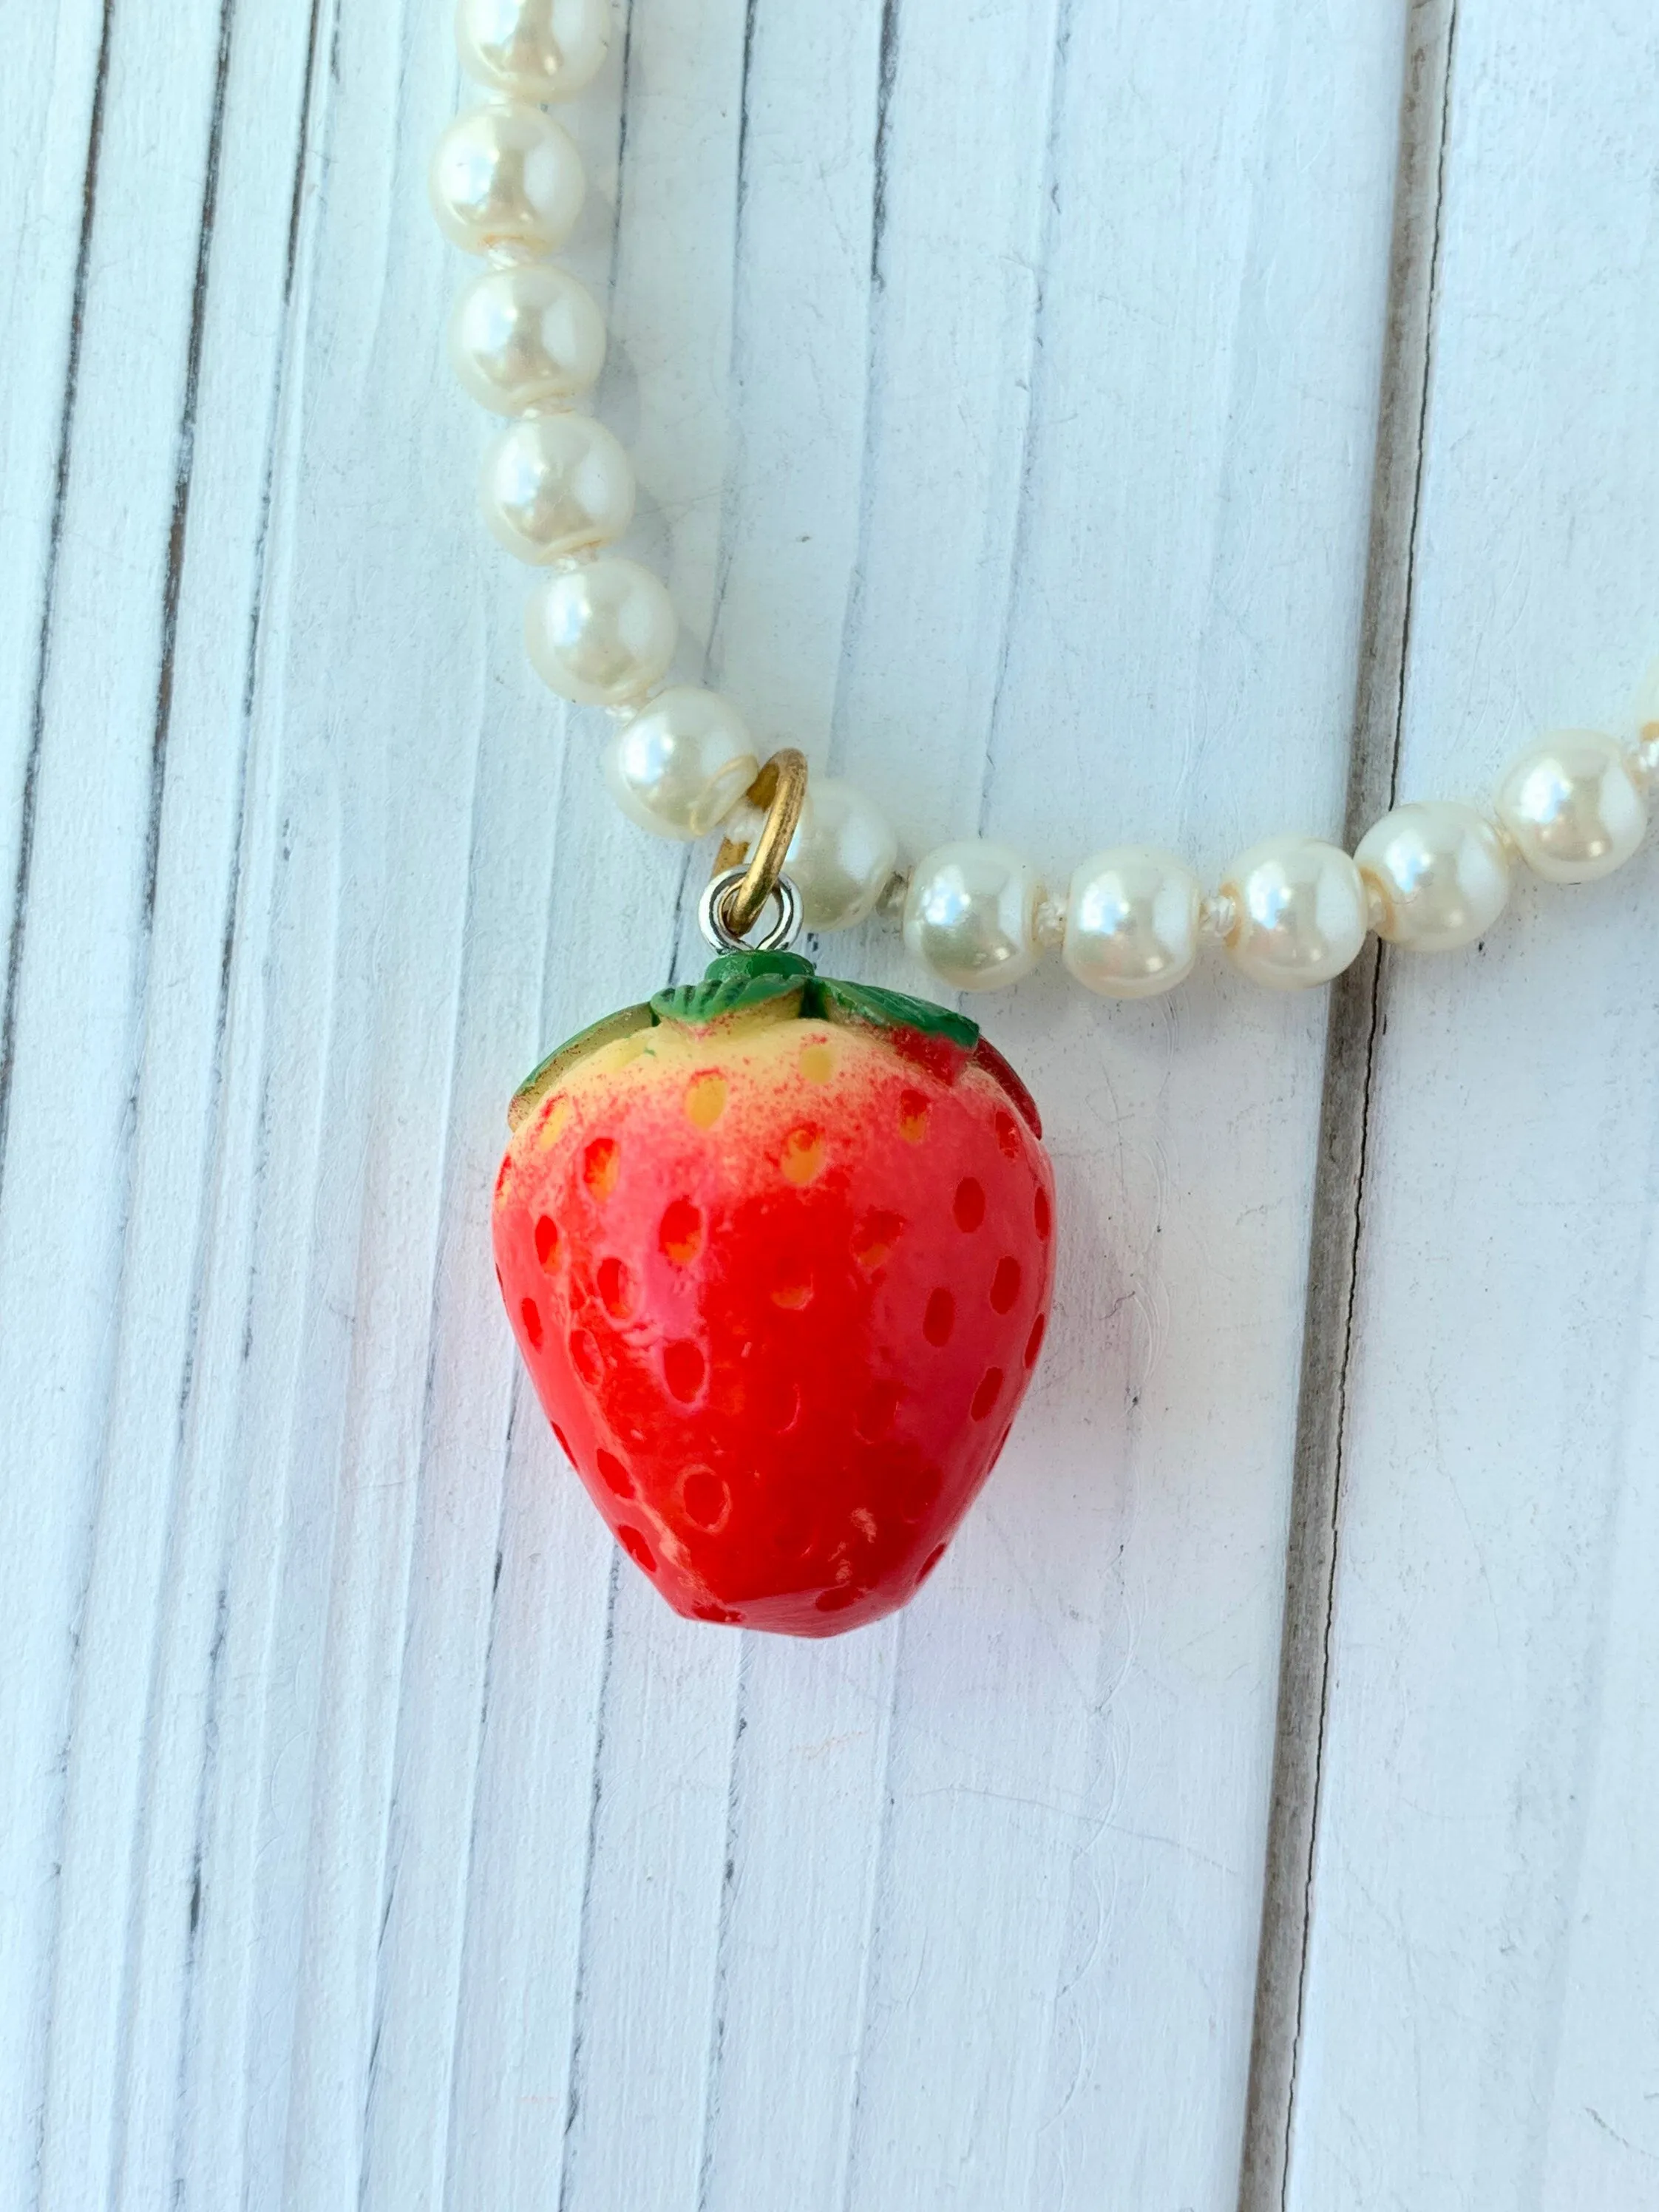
528 341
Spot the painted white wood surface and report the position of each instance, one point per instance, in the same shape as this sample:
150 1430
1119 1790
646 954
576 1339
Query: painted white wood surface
1004 385
1479 2023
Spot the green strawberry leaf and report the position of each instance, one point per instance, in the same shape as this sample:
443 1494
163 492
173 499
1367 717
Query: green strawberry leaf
756 963
895 1010
733 983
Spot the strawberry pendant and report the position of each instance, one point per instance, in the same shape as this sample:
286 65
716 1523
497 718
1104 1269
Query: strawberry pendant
778 1251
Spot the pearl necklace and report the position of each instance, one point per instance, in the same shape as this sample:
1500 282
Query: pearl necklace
528 341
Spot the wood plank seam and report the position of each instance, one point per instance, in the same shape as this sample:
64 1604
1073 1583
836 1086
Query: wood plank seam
722 1938
887 76
882 1857
179 525
1060 43
1357 1022
48 595
590 1861
887 79
475 1812
740 212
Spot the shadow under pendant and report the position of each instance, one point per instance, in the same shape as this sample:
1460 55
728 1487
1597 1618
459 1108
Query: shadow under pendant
777 1252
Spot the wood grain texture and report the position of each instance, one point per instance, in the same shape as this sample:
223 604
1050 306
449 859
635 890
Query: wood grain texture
1004 388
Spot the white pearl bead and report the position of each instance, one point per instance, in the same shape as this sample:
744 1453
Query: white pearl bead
1131 920
506 175
1438 872
679 768
841 857
1573 806
971 914
526 337
1299 912
556 485
539 49
602 634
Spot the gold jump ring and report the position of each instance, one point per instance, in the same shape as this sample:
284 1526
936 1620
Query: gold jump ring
780 788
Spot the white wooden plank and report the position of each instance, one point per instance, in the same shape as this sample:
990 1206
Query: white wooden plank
130 1876
359 1407
915 715
48 106
103 1143
625 2122
1490 1731
1057 2007
882 336
1600 2142
416 1419
356 1904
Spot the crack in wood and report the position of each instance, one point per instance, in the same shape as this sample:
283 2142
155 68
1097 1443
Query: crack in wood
734 1794
1358 1020
1060 47
49 592
574 2075
887 77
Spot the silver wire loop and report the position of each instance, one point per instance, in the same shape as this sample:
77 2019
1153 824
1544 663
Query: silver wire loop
711 915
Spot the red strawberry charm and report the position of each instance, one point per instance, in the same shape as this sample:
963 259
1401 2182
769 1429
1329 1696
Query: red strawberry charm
777 1251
